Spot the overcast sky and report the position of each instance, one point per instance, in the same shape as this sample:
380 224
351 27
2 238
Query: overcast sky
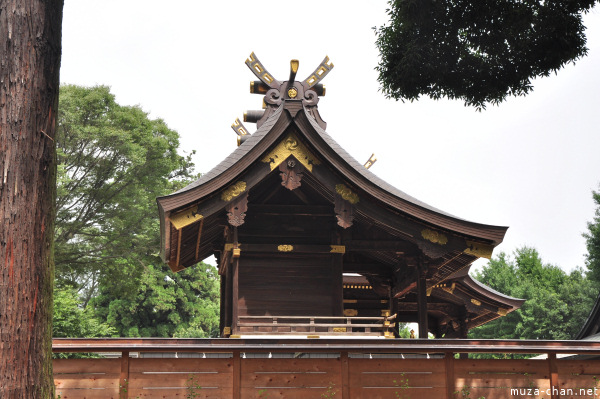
530 163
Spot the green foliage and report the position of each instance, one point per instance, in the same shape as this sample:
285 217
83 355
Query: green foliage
403 384
556 305
193 387
71 321
404 330
165 304
592 238
113 163
479 51
330 392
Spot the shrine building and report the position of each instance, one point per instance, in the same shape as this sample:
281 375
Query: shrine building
310 243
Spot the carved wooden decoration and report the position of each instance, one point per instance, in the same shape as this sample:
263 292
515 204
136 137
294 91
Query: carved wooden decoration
275 92
236 210
291 173
344 212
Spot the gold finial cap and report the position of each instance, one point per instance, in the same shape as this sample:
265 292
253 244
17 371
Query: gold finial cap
294 64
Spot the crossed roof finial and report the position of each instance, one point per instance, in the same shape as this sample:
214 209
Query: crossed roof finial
275 92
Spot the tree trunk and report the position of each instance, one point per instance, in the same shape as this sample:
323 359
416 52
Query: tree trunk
30 46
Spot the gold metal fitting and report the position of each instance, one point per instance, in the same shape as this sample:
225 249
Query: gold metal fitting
294 64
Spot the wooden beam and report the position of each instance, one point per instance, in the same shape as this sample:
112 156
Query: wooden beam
422 301
377 245
124 377
235 296
449 365
367 268
446 308
290 247
296 210
345 375
338 285
237 375
552 368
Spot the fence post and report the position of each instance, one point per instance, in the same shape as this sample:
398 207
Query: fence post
124 380
449 363
553 376
345 375
237 375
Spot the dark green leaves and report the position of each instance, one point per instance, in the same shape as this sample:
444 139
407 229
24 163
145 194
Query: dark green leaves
592 238
113 163
557 303
479 51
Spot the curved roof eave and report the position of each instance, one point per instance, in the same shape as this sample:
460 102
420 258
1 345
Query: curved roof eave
488 292
207 183
400 200
254 147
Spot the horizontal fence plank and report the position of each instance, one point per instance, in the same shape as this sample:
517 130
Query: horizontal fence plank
185 380
295 393
66 393
466 366
502 381
221 365
500 393
88 381
158 393
290 365
76 366
579 366
397 379
289 379
393 393
399 365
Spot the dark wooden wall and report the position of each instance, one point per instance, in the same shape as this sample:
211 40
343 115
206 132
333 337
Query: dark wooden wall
289 285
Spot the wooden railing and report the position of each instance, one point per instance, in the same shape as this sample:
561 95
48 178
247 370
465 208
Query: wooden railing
325 368
316 325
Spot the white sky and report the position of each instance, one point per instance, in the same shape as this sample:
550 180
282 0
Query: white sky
530 163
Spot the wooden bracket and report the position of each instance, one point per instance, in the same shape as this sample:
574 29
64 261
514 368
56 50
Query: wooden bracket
236 210
344 212
291 173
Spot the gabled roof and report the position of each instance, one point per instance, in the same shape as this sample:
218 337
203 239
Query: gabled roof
293 114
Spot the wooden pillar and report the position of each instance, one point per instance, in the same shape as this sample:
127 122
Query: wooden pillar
449 365
345 375
227 319
237 375
337 280
422 302
555 394
394 311
235 295
222 290
463 330
124 378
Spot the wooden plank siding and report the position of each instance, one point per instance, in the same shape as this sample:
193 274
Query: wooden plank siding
323 368
298 285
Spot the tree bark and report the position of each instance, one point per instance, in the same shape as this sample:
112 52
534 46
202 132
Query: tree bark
30 48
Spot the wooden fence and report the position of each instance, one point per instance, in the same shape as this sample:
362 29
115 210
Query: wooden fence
325 368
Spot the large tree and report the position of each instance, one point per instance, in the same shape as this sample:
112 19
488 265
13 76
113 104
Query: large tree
557 303
163 304
479 51
30 48
592 238
113 161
